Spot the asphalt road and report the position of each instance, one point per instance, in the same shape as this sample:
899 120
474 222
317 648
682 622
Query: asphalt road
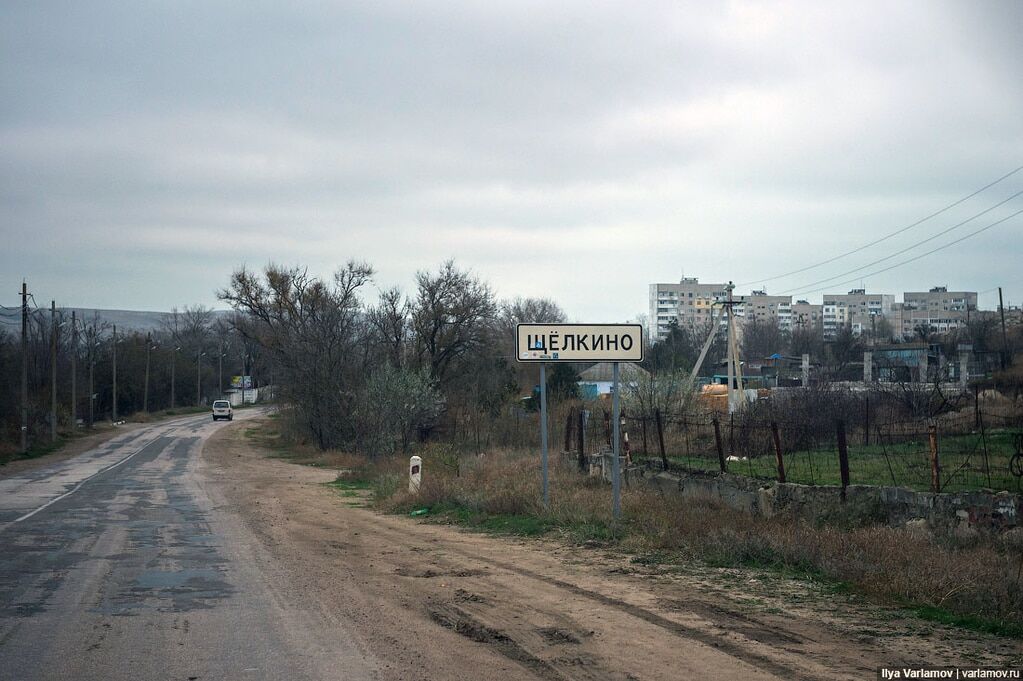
118 564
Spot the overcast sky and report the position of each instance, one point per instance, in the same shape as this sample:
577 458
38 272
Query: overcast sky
573 150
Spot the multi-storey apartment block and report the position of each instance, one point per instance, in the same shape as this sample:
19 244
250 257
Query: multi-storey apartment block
687 303
856 309
806 315
690 303
760 307
940 298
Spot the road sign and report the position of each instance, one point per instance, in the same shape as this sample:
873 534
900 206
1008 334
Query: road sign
579 343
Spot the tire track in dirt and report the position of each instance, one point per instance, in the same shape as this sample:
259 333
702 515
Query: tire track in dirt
718 642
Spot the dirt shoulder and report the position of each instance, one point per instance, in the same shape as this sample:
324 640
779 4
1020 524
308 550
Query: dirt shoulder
436 602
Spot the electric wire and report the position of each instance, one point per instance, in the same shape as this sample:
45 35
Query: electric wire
917 257
908 248
887 236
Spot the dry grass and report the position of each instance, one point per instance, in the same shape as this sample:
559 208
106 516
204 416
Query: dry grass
896 566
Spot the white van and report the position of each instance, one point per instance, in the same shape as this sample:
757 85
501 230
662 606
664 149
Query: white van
222 410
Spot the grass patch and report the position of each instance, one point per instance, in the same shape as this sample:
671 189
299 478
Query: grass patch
968 462
350 485
973 623
44 448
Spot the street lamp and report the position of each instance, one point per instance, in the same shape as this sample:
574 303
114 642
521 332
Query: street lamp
198 378
145 395
174 356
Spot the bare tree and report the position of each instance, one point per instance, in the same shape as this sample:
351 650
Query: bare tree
451 315
312 329
390 324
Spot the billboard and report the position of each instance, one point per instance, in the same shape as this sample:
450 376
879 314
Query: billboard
579 343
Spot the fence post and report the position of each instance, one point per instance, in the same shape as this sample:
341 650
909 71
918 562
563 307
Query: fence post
866 420
660 438
987 461
932 439
777 452
717 442
642 424
976 406
843 455
582 440
568 430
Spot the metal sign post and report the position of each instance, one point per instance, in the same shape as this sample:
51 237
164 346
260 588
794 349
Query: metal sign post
616 465
614 343
543 432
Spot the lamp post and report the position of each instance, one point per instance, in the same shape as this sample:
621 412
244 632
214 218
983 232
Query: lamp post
220 371
145 396
114 407
174 357
93 344
198 378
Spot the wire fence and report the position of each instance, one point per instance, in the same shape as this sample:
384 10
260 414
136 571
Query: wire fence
971 450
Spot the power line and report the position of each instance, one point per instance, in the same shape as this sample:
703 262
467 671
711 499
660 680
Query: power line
909 248
887 236
917 257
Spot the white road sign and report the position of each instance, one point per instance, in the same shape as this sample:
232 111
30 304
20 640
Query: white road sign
579 343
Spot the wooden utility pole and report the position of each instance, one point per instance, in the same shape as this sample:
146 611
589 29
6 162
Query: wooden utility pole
145 394
53 371
174 357
198 378
220 372
92 370
24 368
1005 342
74 373
114 402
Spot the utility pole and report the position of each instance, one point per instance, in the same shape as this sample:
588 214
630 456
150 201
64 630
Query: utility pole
1005 342
198 378
92 370
53 371
736 396
145 395
174 356
220 371
74 373
114 409
24 368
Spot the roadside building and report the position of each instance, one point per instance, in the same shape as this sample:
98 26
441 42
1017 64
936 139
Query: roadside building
598 380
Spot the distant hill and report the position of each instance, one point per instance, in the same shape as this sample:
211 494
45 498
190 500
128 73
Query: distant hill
128 320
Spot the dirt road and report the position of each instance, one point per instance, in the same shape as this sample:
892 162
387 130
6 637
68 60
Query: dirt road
433 602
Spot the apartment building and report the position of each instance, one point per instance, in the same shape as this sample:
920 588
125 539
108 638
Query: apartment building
760 307
688 303
940 298
907 320
806 315
856 309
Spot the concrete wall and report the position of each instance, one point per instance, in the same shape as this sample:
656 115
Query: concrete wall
962 512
